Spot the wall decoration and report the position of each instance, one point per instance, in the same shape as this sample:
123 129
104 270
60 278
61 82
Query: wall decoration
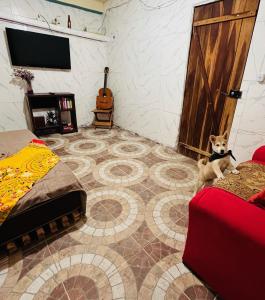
25 75
51 118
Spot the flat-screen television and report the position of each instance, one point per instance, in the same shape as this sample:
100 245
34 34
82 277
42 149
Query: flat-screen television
33 49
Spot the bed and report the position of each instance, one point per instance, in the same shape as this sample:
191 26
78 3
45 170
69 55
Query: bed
59 194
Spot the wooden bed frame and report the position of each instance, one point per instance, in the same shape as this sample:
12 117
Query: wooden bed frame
42 217
41 220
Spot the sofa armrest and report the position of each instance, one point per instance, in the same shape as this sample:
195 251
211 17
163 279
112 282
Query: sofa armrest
259 154
233 211
225 242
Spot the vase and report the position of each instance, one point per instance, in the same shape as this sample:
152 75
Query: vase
29 87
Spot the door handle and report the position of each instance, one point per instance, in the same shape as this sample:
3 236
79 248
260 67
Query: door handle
233 94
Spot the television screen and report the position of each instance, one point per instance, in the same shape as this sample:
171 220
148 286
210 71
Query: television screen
33 49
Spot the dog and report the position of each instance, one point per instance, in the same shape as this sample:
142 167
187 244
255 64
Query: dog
219 161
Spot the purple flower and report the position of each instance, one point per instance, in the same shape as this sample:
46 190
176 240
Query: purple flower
23 74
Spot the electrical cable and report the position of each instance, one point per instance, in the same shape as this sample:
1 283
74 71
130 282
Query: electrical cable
109 9
144 4
41 16
163 5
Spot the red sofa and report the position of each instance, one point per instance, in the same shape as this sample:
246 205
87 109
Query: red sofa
225 245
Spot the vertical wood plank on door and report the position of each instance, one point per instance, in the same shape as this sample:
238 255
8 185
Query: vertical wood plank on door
239 65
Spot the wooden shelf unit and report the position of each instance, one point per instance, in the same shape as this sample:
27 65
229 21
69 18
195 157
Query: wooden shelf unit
43 102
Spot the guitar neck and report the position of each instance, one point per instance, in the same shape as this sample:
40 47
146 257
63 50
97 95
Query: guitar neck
105 84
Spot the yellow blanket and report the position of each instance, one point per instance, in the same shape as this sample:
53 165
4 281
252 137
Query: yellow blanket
20 171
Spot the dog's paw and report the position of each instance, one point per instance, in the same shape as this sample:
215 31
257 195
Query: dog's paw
221 177
235 171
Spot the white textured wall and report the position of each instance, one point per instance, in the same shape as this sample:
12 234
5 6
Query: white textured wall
148 59
88 59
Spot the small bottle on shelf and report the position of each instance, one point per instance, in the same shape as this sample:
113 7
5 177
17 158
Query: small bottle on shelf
69 25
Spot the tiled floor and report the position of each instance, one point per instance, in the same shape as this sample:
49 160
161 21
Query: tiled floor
130 246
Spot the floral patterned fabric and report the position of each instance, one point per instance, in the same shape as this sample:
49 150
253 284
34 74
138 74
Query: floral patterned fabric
19 172
250 180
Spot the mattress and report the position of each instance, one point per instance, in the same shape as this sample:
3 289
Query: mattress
58 182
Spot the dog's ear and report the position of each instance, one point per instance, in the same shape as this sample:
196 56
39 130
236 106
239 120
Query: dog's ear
225 135
212 138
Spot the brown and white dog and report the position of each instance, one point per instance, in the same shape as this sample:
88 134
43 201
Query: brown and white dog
218 162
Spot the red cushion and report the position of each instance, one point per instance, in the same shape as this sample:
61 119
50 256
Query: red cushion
259 154
258 199
37 141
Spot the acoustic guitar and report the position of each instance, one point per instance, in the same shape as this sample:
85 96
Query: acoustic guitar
104 98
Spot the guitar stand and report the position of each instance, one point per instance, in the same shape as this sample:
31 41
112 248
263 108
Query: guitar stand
103 118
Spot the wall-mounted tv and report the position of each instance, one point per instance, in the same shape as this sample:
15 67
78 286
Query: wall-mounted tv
33 49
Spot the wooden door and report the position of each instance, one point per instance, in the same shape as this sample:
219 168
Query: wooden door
219 47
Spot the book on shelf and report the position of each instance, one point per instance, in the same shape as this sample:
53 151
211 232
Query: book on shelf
65 103
68 128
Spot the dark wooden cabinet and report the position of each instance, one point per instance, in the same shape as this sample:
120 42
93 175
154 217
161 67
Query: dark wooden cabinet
52 113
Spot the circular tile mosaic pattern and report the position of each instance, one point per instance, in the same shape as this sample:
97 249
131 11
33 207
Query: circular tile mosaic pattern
112 214
99 133
10 269
54 143
167 153
136 218
120 172
167 219
76 287
81 166
170 279
129 149
3 275
127 135
197 292
106 210
87 147
82 272
172 176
